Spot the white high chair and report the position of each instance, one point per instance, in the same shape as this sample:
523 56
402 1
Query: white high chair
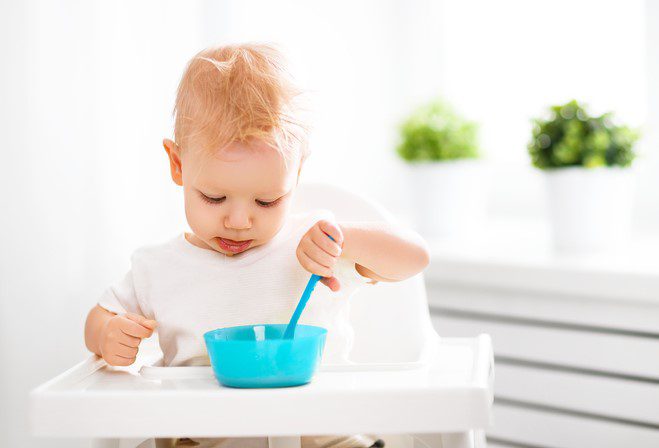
405 380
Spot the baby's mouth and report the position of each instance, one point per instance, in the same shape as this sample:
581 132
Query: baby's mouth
233 246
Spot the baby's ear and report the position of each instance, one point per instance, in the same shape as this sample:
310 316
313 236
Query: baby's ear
174 153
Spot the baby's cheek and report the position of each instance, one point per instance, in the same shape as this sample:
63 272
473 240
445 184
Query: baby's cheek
202 222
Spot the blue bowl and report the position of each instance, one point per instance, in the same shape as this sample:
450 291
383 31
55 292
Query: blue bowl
258 356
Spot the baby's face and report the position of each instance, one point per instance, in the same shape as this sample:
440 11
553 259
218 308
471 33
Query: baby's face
238 199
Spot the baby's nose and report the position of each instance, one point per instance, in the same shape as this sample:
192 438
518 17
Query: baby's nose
238 221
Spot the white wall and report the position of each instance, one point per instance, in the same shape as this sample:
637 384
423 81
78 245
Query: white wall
504 62
501 63
647 211
363 64
87 93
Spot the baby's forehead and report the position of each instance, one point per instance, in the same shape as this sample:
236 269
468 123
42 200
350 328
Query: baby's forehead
223 185
259 171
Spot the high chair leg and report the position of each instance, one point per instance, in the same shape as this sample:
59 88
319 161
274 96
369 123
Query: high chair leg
468 439
458 440
104 443
427 441
284 442
124 443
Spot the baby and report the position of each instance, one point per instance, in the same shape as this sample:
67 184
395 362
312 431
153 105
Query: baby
238 150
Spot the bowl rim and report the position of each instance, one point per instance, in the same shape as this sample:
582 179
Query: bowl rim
207 334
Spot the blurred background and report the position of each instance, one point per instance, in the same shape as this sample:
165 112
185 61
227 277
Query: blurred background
87 91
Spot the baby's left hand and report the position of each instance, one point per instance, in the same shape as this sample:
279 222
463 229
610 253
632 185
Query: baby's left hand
318 254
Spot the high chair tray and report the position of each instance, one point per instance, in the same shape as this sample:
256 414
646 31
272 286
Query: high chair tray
161 373
452 392
157 372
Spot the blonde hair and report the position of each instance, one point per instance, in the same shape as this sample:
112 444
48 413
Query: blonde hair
237 93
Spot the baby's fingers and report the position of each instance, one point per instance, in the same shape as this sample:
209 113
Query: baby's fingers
115 360
132 328
331 282
312 266
149 323
320 256
130 341
320 239
332 230
125 351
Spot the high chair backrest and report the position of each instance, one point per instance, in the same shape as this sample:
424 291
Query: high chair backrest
391 319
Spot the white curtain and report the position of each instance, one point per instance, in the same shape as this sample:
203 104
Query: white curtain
86 99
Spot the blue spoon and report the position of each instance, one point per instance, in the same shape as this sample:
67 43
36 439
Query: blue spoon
290 329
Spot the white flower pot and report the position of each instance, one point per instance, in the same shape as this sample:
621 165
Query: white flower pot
447 197
590 209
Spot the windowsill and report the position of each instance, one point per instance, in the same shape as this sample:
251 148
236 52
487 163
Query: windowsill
519 255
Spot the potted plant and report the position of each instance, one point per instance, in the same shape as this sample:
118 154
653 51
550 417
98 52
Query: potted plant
586 160
441 149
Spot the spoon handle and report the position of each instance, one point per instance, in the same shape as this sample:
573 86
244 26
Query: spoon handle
311 284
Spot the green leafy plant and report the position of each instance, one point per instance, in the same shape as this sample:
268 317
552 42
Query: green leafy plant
571 137
435 132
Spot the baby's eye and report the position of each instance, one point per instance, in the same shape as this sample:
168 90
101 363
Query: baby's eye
267 204
212 200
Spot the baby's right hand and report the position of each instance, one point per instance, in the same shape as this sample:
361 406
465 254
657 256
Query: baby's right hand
121 337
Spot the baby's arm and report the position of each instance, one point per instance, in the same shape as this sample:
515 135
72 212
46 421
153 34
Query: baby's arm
383 251
114 337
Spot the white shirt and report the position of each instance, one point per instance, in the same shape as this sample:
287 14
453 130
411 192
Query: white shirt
189 291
